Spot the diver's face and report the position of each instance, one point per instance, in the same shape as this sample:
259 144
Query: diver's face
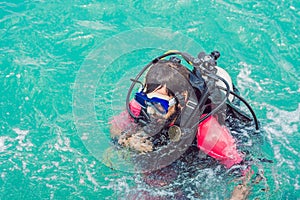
160 92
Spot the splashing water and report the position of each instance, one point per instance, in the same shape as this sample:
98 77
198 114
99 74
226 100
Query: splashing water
43 154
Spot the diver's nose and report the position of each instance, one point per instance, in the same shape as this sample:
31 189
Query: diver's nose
154 113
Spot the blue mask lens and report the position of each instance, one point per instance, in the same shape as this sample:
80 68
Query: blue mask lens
160 105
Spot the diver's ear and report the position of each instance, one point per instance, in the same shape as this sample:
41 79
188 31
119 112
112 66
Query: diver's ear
185 94
171 111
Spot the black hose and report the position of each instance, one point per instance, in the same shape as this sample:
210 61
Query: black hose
221 104
131 88
246 103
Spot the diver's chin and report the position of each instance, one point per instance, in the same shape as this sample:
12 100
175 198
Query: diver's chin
155 125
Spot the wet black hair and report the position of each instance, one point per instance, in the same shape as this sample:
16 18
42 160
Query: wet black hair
176 80
151 87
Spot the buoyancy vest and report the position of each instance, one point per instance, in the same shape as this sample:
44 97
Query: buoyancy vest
212 138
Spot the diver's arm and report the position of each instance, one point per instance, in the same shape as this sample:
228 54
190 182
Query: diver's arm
241 191
124 130
124 121
115 131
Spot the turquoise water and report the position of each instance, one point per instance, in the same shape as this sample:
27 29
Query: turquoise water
65 69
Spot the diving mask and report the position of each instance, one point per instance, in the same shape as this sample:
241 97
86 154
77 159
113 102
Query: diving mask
160 103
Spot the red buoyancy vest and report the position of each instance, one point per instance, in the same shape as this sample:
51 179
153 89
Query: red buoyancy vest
216 141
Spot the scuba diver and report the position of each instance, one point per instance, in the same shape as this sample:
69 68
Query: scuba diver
180 110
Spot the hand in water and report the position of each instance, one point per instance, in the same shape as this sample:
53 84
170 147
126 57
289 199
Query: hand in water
242 190
138 142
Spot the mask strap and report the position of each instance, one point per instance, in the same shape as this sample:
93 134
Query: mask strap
172 102
180 98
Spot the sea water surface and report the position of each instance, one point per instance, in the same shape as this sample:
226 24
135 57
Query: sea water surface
64 72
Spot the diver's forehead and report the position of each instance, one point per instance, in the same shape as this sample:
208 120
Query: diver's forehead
160 90
158 95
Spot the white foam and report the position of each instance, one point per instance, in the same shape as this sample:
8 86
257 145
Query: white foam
2 144
90 178
281 129
245 81
10 74
20 132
